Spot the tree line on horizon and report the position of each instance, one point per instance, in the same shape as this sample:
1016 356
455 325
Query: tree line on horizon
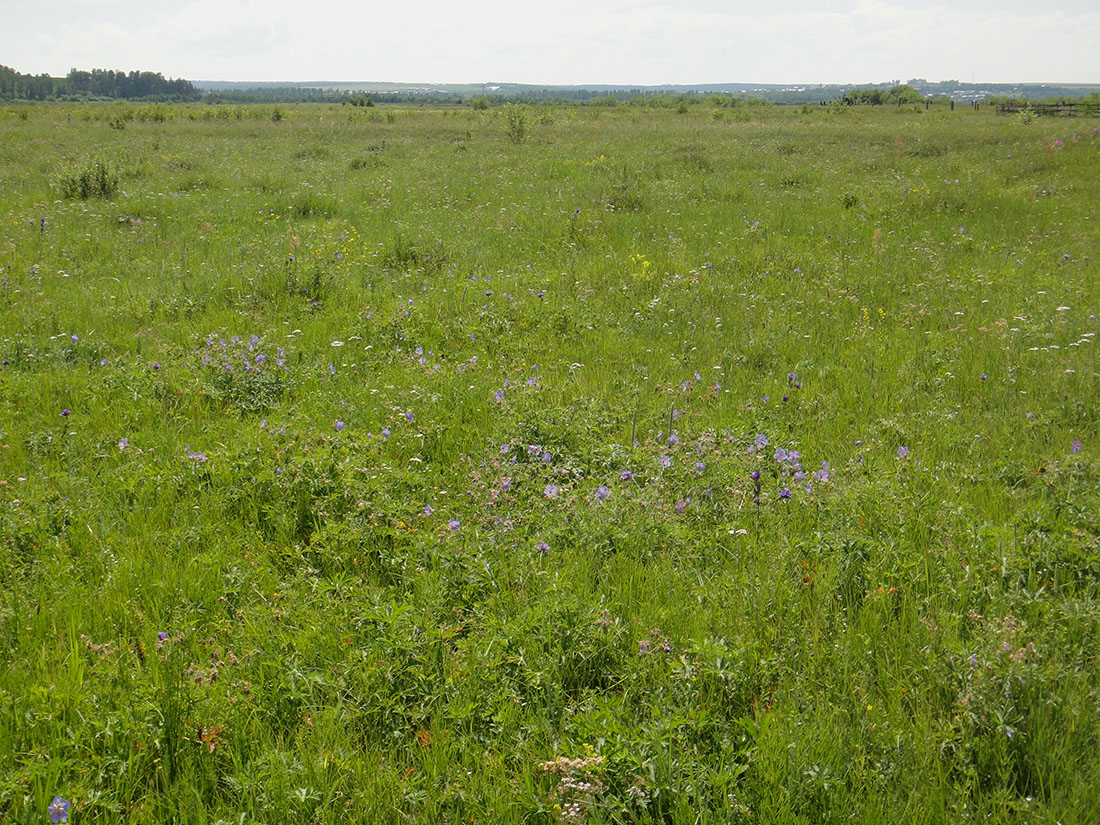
104 84
97 84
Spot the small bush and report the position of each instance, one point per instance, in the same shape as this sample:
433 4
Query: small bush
98 180
518 122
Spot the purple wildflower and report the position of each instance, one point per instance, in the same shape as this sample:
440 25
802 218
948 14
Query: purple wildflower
385 432
761 441
903 451
59 810
602 493
1075 446
339 425
626 475
674 439
542 547
428 509
785 493
681 505
700 466
665 461
66 412
453 524
550 490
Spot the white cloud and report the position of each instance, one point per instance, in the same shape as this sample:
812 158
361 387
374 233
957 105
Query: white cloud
567 42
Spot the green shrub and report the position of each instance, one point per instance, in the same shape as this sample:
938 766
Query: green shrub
97 180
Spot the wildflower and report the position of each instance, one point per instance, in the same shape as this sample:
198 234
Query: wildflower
532 381
903 451
428 509
674 439
331 368
547 458
626 475
65 412
542 547
643 648
339 425
755 475
1075 446
260 358
791 377
59 810
453 524
681 505
499 395
785 493
197 457
123 443
761 441
385 432
780 455
700 466
409 416
983 376
505 448
602 493
550 490
665 461
74 337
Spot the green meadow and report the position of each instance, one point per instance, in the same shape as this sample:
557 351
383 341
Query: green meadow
548 465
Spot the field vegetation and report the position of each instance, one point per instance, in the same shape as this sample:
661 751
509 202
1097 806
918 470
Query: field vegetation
548 465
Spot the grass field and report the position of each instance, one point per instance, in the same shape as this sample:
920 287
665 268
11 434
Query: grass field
548 465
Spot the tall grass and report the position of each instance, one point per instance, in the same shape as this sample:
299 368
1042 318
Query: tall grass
654 467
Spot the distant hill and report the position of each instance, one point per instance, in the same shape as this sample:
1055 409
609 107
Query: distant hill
773 92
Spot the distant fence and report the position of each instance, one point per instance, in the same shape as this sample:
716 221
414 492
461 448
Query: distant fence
1051 109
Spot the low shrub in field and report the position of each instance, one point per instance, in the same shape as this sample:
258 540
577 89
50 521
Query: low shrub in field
96 180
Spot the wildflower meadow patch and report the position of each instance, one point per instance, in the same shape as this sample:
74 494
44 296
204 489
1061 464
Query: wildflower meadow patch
607 464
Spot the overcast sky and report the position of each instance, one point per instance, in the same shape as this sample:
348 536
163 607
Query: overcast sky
560 42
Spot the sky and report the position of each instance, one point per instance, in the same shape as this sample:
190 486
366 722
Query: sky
561 42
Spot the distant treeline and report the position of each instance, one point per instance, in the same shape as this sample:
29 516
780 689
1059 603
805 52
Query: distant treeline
98 84
103 84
